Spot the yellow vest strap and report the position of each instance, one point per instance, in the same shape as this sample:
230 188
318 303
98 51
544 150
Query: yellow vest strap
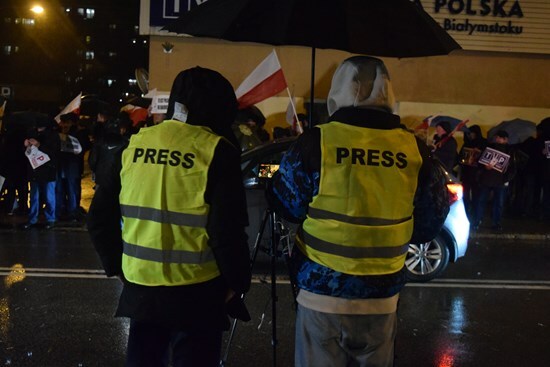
364 221
163 216
167 256
353 252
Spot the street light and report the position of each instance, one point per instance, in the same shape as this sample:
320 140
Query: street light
37 9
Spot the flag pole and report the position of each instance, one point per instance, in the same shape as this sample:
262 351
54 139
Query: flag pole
300 127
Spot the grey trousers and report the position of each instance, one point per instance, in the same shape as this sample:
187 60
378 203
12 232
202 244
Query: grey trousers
334 340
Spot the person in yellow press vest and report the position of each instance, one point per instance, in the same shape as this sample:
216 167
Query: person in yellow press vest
182 251
362 187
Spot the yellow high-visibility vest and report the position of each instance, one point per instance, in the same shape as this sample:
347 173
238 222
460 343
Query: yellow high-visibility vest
164 176
361 221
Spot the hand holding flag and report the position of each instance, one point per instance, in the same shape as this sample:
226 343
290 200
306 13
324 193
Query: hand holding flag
73 106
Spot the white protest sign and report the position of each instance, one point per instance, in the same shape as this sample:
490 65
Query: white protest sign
159 103
547 148
2 180
36 157
497 159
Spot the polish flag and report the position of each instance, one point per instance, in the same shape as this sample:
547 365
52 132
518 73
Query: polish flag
265 81
73 106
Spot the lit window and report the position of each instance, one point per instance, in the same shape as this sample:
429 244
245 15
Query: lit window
90 13
67 10
112 26
144 42
136 28
81 11
17 21
90 55
134 41
9 49
28 21
112 54
110 82
132 82
88 39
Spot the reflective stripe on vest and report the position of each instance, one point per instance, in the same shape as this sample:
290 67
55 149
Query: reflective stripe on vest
163 216
361 221
164 177
167 256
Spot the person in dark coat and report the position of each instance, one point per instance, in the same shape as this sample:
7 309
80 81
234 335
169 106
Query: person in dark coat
474 144
175 315
43 178
69 173
14 167
544 149
445 145
495 181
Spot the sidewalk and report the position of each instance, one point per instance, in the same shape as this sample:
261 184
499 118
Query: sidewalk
513 227
519 228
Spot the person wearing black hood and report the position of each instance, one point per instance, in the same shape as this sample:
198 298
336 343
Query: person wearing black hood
363 188
182 251
445 145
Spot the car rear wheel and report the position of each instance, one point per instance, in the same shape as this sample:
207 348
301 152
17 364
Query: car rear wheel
426 261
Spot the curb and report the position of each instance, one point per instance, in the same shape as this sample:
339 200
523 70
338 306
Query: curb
512 236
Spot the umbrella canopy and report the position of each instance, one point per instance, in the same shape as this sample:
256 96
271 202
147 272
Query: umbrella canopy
453 121
518 130
394 28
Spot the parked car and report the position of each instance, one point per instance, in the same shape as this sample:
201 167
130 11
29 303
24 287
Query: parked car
424 261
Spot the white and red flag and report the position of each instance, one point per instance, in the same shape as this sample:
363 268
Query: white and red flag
73 106
265 81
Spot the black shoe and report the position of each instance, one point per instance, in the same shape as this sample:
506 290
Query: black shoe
27 226
49 225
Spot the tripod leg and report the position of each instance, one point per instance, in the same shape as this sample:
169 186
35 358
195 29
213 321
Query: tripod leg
274 245
259 236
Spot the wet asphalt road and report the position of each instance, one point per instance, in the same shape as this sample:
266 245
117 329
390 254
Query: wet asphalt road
489 309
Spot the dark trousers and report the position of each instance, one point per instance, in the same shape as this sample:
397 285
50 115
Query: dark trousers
499 194
152 345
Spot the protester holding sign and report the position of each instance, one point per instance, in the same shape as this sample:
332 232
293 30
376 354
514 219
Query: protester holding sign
43 147
497 169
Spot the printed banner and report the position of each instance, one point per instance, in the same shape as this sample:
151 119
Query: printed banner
470 156
36 157
497 159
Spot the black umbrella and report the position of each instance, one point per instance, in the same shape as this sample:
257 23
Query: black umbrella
393 28
518 130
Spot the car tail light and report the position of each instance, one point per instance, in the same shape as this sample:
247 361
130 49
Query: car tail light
455 192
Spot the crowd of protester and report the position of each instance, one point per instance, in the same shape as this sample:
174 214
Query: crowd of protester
54 189
51 192
521 189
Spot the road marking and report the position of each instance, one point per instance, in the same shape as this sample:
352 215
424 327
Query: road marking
256 279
